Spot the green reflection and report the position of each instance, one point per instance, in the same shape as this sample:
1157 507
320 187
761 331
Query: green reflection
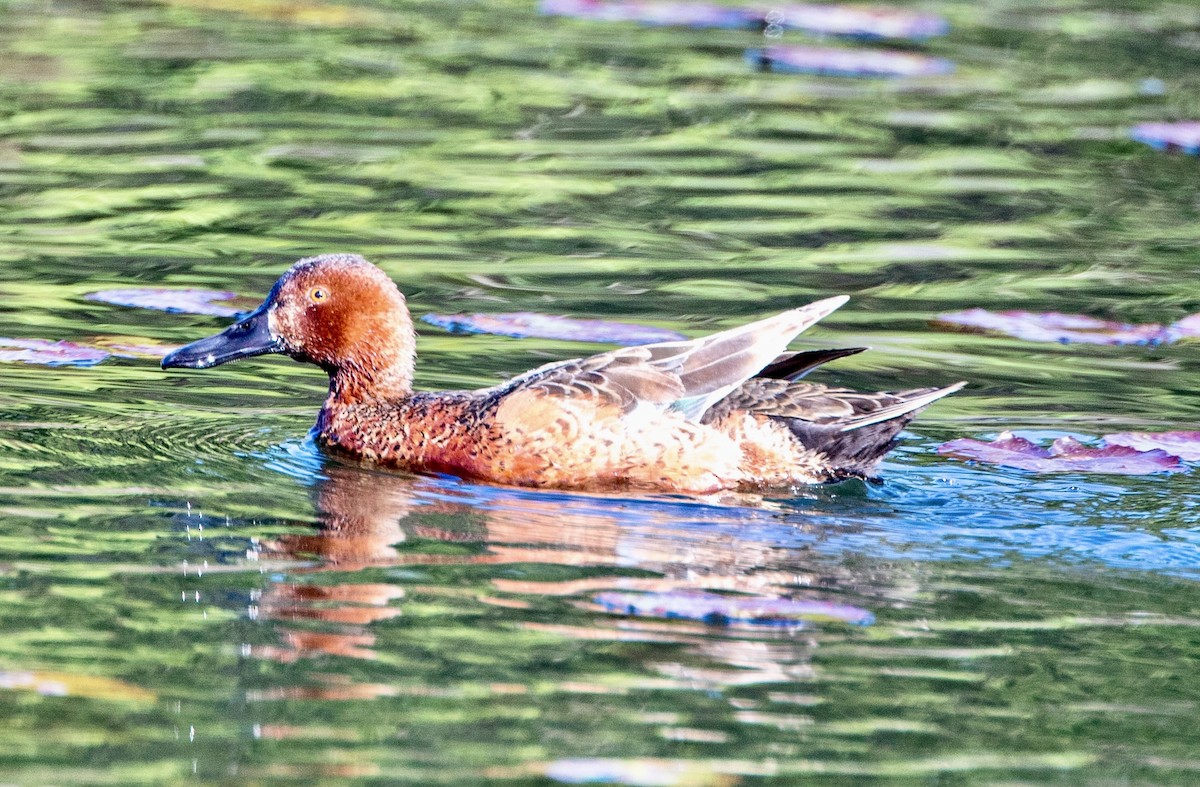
188 589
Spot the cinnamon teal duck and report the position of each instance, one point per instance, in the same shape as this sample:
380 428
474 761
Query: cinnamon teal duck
724 412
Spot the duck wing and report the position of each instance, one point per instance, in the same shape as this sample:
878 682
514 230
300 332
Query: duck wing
852 430
842 408
685 376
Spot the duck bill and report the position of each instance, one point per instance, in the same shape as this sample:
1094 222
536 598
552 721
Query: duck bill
244 339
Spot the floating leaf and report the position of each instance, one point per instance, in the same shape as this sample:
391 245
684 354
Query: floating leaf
682 14
1185 445
714 608
845 62
180 301
1188 327
856 21
50 353
1065 455
1056 327
838 20
1183 135
524 325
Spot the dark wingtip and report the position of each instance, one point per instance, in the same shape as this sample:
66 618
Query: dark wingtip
794 365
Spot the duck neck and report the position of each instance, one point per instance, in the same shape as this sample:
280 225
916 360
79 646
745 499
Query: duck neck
381 371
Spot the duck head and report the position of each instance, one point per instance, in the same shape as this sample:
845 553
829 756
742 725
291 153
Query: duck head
337 311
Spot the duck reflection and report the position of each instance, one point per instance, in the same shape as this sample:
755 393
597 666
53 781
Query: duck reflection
371 519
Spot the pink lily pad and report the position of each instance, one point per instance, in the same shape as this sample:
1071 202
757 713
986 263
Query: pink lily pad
48 353
652 13
1056 327
1065 455
1185 445
1188 327
191 301
831 61
837 20
524 325
714 608
857 21
1183 135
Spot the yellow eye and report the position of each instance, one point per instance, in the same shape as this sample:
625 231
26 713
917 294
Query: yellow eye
318 294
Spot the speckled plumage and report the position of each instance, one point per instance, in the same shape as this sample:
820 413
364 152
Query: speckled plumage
725 411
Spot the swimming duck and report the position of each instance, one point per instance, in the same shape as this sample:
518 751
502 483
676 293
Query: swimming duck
722 412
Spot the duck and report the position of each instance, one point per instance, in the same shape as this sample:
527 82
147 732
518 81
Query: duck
724 412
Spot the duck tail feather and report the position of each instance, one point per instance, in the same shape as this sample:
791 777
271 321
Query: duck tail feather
908 405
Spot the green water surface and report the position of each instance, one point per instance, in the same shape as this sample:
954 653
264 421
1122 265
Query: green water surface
190 590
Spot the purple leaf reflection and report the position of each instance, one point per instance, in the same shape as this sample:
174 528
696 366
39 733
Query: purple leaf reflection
714 608
1061 328
836 20
49 353
1185 445
1183 135
1187 327
830 61
857 21
523 325
190 301
1065 455
652 13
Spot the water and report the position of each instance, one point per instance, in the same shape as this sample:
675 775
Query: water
190 590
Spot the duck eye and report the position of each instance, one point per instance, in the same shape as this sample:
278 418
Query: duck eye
318 294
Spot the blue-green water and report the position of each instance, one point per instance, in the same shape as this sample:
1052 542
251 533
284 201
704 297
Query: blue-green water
190 590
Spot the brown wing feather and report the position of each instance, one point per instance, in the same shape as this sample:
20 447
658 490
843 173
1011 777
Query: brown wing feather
689 375
809 401
850 429
622 378
818 404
